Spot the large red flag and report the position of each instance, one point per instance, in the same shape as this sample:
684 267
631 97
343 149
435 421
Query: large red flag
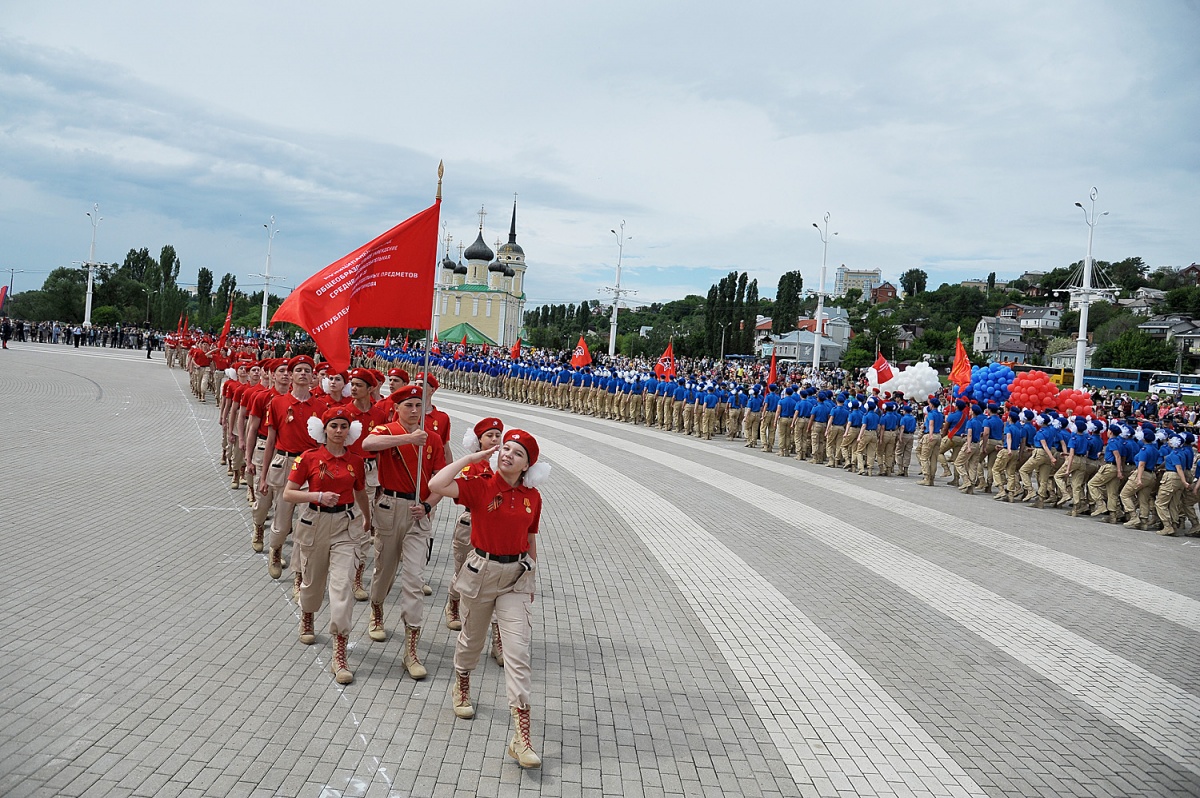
772 375
385 283
960 372
185 324
3 294
665 367
515 352
582 356
225 329
883 369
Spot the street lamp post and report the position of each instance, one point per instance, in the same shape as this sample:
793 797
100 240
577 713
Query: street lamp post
817 327
616 291
94 215
149 294
724 325
271 231
1085 291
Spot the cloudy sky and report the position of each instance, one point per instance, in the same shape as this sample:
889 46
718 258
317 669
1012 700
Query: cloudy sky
953 137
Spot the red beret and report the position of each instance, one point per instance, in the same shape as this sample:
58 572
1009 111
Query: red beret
401 373
527 441
365 375
406 393
299 360
335 412
428 379
487 424
322 366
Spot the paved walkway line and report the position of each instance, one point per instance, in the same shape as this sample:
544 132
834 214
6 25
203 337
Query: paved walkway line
829 719
1163 715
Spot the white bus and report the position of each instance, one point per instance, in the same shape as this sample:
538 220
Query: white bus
1171 384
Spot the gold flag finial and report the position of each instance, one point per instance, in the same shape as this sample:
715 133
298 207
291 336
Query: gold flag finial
441 171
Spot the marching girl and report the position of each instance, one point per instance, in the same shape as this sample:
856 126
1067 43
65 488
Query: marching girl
498 574
330 482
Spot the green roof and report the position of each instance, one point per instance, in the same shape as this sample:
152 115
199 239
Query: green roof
455 334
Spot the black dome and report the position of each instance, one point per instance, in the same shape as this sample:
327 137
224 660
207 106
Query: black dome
479 250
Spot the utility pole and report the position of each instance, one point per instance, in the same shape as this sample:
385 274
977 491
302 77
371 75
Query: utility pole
94 215
617 291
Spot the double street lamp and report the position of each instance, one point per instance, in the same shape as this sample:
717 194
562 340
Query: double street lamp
817 326
1085 291
271 231
94 215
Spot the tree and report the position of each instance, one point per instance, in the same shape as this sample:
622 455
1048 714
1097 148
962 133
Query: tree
787 302
225 292
1134 350
991 281
1059 344
204 285
913 282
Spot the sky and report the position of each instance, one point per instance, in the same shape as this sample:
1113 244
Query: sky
953 138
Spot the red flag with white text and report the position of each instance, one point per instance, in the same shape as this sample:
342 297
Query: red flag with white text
665 367
883 369
581 356
387 282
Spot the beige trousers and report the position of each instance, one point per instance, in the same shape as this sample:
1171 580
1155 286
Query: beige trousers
329 545
506 590
400 543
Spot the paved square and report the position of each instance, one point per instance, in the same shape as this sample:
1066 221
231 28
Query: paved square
710 621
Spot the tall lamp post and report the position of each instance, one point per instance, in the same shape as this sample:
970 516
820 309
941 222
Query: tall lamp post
149 294
271 231
724 325
1085 291
94 215
818 327
616 291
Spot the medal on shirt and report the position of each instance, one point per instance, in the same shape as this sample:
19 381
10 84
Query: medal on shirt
528 509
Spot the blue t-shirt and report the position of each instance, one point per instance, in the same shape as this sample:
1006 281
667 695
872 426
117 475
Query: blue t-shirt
839 415
787 406
933 422
821 412
871 420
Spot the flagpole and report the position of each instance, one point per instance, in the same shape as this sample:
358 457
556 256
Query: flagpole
425 394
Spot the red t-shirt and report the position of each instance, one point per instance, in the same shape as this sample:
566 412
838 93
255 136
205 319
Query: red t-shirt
398 465
258 407
323 471
502 515
221 361
475 471
289 417
441 424
372 417
200 357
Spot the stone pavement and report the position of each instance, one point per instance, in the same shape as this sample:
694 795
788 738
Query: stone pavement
710 621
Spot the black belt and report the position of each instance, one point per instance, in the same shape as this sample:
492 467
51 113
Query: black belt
501 558
397 494
262 437
337 508
287 454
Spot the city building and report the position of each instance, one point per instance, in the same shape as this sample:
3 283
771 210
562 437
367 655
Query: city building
982 285
486 295
798 346
865 280
1040 319
885 292
999 340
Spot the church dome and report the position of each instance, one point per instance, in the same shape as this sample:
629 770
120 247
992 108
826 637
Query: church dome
512 249
496 266
447 263
508 272
460 268
479 250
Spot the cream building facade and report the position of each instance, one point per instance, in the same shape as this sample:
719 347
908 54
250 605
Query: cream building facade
487 292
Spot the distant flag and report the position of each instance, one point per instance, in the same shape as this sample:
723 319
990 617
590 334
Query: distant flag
883 369
665 368
435 348
225 329
515 352
387 343
485 349
3 294
960 372
581 356
405 347
772 375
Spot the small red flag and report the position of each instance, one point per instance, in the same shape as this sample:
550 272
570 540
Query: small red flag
185 324
772 375
179 325
405 347
387 343
225 329
436 348
582 356
665 368
960 372
515 352
883 369
485 349
388 281
3 294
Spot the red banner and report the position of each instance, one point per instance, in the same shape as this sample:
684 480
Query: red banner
582 356
387 343
772 375
405 347
385 283
883 369
225 329
960 372
515 352
665 367
3 294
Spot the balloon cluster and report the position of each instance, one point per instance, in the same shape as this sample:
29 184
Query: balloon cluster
990 383
1075 402
1034 390
915 382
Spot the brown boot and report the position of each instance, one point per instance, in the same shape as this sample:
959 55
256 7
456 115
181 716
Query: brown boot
460 696
360 593
256 541
340 669
297 580
497 646
453 621
236 483
307 635
375 630
275 564
520 747
411 661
